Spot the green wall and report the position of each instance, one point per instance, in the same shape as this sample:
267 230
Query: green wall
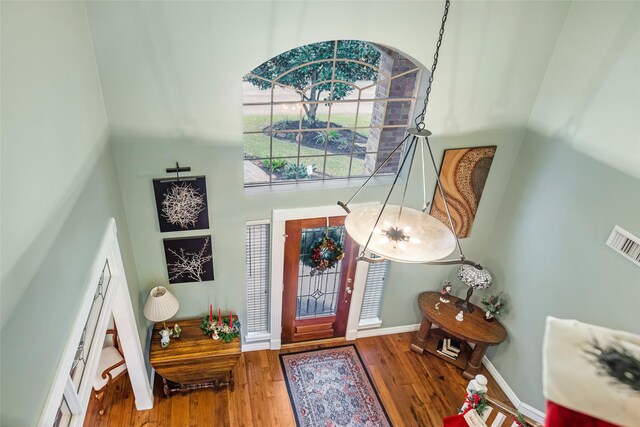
141 160
548 253
577 175
34 337
59 189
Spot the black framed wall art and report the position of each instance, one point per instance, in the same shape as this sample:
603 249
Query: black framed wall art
189 259
181 203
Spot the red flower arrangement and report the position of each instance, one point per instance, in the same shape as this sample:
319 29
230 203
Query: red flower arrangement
520 420
477 401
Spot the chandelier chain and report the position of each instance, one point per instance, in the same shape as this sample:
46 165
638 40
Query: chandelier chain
420 118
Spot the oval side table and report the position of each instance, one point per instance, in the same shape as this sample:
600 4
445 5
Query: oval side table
474 329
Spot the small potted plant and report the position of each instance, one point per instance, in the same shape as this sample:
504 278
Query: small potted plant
495 306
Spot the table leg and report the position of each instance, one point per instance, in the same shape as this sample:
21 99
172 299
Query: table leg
165 387
420 339
232 382
475 361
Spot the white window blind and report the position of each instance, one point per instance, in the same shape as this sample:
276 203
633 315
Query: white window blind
373 292
257 264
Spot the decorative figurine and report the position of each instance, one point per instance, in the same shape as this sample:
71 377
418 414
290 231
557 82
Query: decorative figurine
460 316
478 384
164 341
437 307
176 331
445 292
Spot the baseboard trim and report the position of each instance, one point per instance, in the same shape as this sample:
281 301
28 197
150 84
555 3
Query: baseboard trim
255 346
526 410
513 398
386 331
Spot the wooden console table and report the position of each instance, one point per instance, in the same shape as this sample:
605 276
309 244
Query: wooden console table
194 360
473 329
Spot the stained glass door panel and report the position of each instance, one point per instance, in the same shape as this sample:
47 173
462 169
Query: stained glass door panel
318 292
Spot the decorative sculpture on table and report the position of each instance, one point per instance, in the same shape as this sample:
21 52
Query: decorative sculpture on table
176 331
445 292
166 337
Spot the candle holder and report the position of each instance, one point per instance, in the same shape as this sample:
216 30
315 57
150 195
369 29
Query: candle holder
221 327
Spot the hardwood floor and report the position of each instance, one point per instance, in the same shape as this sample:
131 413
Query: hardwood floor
416 390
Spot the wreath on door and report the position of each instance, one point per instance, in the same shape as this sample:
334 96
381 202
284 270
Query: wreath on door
325 254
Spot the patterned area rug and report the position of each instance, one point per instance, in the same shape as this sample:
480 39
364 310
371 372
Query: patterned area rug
330 387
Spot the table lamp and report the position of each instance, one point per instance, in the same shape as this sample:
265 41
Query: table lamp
475 277
161 305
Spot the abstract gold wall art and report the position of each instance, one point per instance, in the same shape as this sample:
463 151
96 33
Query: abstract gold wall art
463 174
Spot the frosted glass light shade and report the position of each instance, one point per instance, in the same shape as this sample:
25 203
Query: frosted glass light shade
414 237
475 277
161 305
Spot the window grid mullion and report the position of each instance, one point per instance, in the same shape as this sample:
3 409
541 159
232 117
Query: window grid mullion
335 169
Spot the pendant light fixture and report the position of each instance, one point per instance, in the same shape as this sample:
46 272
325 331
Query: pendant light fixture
401 233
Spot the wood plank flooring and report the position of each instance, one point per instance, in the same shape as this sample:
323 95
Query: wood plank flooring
416 390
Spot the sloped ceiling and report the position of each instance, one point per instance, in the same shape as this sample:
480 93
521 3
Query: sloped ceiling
174 69
591 93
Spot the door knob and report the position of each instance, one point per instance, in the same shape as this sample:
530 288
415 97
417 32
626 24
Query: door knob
349 290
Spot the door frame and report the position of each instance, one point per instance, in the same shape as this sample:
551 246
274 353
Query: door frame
117 301
278 219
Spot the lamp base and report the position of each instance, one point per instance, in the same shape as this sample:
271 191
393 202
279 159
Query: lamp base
465 305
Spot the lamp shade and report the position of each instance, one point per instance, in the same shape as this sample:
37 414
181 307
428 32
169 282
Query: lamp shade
402 234
475 276
161 305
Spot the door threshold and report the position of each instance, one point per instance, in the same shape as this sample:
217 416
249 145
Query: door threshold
327 342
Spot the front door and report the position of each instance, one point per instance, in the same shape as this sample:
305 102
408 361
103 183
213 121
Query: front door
315 302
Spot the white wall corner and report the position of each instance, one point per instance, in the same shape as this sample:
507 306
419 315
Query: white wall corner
275 344
351 335
527 410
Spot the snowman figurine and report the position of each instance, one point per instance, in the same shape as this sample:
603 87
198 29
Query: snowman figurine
166 337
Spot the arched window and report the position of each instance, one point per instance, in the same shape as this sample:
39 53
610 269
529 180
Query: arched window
328 110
